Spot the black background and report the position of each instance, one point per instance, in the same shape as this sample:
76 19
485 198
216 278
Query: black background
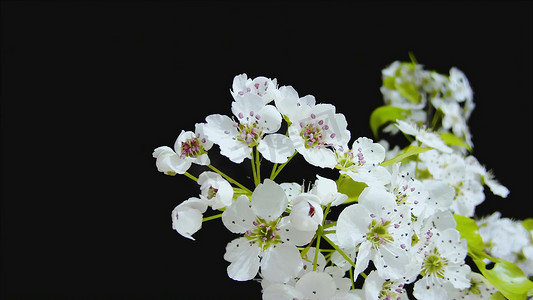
89 89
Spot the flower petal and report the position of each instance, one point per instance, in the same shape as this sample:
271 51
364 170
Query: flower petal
239 216
276 148
269 200
316 285
244 258
281 263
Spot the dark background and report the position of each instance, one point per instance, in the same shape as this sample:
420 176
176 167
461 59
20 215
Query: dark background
89 89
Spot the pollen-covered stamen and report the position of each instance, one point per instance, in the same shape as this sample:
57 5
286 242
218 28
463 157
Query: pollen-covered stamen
390 291
312 135
249 133
191 148
433 264
264 233
378 232
211 192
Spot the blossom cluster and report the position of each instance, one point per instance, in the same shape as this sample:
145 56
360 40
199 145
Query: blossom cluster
401 212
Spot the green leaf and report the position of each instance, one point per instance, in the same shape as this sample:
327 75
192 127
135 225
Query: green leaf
385 114
410 151
507 277
349 187
389 82
452 140
409 91
497 296
528 224
469 230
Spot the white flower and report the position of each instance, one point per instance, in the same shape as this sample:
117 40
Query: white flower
269 240
480 289
459 86
425 137
380 228
190 147
291 105
440 253
306 212
487 177
215 190
503 237
378 288
236 139
452 169
314 134
408 191
313 285
361 163
327 192
187 216
260 86
402 79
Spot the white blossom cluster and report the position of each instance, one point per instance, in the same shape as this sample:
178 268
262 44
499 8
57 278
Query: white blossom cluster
396 224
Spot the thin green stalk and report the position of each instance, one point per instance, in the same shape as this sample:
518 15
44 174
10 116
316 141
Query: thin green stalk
190 176
257 166
273 171
346 257
317 250
229 178
211 217
329 225
351 278
254 172
283 165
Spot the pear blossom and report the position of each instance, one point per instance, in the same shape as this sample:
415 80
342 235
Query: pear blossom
487 177
401 79
291 105
459 86
317 132
261 86
439 254
215 190
187 216
361 163
190 147
269 240
480 289
314 285
380 228
237 139
379 288
425 137
408 191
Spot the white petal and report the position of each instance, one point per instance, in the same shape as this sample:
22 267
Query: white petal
377 199
224 194
269 119
391 261
326 190
316 286
306 213
221 131
287 103
281 292
458 276
239 85
292 189
406 127
244 258
168 162
276 148
269 200
370 175
425 288
186 220
363 257
372 152
352 225
322 157
199 129
289 234
281 263
373 285
239 216
245 107
496 188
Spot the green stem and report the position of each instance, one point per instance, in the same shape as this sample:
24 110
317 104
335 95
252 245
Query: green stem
317 250
346 257
190 176
211 217
273 171
257 166
283 166
229 178
329 225
351 278
254 172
